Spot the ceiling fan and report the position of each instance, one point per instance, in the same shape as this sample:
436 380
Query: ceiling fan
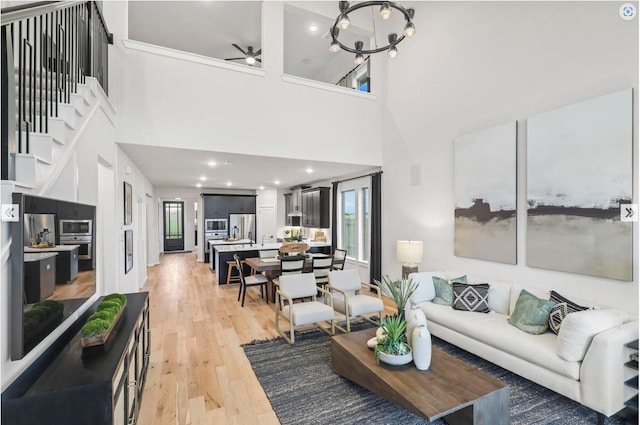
250 57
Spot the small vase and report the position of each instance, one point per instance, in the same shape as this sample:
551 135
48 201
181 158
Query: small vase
421 347
415 317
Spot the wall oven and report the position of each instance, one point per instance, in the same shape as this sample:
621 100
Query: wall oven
216 225
78 232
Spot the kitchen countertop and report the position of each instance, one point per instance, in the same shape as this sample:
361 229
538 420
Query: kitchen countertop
39 256
260 247
56 248
236 242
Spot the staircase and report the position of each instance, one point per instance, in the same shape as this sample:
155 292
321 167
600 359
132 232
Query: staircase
50 51
49 150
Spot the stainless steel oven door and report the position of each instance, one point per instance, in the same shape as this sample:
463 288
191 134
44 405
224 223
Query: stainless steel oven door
76 227
85 245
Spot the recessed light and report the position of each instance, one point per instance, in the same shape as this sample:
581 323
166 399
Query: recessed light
212 163
276 182
178 199
309 170
228 183
313 28
198 184
261 188
203 178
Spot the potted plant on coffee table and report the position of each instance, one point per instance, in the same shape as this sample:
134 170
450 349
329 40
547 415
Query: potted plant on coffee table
392 347
398 291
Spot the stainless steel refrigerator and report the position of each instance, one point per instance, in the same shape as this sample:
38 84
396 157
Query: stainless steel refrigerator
242 226
39 228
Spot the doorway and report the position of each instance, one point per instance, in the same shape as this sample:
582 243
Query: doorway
173 221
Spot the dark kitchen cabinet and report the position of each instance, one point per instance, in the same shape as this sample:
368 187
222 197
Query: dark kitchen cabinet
315 207
101 386
215 206
39 278
242 205
71 211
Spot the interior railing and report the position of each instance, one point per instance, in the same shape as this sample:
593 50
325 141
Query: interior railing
359 78
48 48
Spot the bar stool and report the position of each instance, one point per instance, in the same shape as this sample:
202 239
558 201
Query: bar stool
231 264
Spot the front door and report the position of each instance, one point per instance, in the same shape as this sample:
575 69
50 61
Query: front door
173 225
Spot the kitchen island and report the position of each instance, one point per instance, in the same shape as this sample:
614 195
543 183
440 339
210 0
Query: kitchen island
66 260
39 276
224 253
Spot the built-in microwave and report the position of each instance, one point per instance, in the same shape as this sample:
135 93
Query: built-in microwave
215 225
76 227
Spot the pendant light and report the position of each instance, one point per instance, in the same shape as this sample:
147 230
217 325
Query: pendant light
385 11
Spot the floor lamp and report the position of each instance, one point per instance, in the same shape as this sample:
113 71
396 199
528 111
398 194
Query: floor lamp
409 253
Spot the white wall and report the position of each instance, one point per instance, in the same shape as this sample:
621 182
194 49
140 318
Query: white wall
476 65
128 172
172 102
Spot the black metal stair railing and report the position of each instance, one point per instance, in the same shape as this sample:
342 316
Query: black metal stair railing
48 48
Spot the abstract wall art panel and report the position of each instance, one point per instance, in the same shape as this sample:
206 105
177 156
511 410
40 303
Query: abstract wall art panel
579 171
485 194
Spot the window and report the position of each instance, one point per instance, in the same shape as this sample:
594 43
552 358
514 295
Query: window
349 224
354 219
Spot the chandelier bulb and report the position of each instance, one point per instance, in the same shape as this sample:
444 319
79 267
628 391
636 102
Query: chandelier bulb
359 59
335 47
409 29
393 52
344 21
385 11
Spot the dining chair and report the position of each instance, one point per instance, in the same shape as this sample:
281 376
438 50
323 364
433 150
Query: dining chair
292 264
300 287
339 258
253 280
345 286
321 267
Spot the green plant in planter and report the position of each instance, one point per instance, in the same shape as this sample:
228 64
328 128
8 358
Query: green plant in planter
399 291
395 341
100 321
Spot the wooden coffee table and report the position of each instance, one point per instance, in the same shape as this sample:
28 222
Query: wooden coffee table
451 388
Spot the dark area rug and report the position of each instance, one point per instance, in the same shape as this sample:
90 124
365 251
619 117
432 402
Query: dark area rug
303 389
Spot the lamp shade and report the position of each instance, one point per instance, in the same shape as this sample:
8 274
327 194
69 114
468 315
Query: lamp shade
409 252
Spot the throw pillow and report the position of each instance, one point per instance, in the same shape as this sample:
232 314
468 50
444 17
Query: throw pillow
531 313
471 297
444 290
425 290
560 311
499 293
579 328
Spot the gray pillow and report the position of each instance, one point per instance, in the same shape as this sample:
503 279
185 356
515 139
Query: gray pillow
444 290
531 313
562 308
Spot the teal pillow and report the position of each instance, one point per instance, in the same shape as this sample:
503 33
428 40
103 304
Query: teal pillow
444 290
531 313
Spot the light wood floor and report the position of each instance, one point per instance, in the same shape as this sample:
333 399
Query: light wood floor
198 373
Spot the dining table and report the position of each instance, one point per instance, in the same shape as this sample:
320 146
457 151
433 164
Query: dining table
271 269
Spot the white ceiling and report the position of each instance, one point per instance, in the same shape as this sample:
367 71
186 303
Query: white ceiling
170 167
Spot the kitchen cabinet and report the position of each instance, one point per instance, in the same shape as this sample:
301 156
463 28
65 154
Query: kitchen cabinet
242 204
71 211
72 386
315 207
288 208
39 276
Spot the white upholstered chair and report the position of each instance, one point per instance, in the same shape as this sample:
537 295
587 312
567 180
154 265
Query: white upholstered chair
345 288
298 287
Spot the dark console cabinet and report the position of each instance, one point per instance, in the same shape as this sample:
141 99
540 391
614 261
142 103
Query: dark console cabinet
99 387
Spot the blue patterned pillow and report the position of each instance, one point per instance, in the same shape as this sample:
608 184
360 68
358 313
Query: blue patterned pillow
531 313
444 290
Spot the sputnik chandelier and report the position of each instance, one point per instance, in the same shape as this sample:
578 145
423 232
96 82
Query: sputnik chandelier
386 9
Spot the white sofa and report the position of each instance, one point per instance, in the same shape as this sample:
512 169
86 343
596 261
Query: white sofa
597 381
